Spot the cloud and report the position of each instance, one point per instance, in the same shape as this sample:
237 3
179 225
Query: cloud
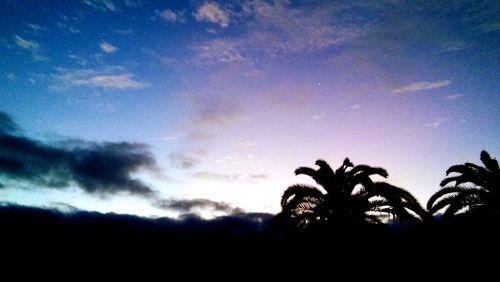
421 86
35 28
317 117
26 44
132 3
436 123
102 5
122 81
282 28
106 79
68 28
254 178
214 112
217 177
194 205
453 97
31 46
100 168
212 12
355 107
108 48
7 124
273 28
171 16
218 51
187 160
9 76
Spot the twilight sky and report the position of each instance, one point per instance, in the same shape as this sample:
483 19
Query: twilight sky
169 107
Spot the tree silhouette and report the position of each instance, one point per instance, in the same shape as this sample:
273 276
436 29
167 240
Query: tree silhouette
348 197
476 189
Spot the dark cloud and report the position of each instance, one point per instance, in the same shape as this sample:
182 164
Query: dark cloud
7 124
194 205
214 176
100 168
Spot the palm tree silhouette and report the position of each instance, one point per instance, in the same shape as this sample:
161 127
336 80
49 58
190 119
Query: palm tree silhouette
476 189
347 197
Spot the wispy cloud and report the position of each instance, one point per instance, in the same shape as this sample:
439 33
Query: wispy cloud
26 44
171 16
218 51
78 59
105 79
213 112
102 5
274 28
35 28
214 176
355 107
317 117
187 159
30 45
453 97
9 76
255 178
421 86
283 28
68 27
436 123
107 47
213 13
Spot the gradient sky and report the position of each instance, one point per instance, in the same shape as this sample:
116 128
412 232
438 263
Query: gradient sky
230 97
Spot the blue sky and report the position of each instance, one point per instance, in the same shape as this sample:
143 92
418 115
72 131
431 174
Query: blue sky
230 97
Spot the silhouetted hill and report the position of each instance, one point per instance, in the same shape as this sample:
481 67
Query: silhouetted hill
244 241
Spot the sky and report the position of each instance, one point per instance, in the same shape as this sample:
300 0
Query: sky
161 108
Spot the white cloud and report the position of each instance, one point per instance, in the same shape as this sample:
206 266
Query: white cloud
436 123
171 16
108 48
355 107
35 27
421 86
275 28
218 51
106 79
122 81
215 176
317 117
212 12
453 97
278 27
26 44
102 5
31 46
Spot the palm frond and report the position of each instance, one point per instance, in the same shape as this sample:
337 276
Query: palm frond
368 170
300 190
462 201
306 171
450 190
464 178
